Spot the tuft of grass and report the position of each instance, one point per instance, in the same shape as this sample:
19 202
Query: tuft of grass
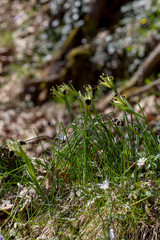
101 181
6 39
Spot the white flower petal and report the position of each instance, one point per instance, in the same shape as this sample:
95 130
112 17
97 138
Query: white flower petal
104 185
111 234
141 161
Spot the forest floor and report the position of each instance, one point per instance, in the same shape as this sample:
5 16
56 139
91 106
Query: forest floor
20 117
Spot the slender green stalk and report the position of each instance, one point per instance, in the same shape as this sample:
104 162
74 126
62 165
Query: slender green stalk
86 144
68 108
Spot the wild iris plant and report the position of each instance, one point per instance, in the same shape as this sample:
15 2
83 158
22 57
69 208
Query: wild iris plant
85 101
119 101
63 91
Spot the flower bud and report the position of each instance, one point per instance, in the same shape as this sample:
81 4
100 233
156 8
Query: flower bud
87 101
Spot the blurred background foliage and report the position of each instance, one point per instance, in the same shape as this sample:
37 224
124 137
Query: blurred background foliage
44 43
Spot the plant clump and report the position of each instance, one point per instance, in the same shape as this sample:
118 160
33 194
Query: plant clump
101 180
